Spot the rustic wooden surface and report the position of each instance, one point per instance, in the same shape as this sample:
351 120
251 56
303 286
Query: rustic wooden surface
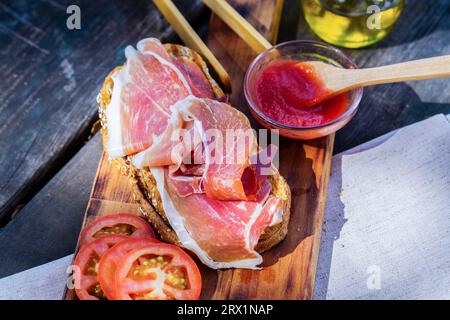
423 30
47 228
289 268
51 76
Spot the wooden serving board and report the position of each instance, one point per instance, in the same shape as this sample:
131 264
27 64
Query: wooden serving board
289 268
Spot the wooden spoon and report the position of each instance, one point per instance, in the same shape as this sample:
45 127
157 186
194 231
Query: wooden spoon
337 80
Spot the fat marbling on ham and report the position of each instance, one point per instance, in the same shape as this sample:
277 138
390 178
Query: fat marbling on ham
163 116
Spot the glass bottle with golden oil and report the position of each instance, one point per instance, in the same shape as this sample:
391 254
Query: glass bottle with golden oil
352 23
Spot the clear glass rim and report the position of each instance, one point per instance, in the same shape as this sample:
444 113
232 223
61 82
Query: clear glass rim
352 108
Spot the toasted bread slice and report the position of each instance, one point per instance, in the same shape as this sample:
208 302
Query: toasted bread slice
144 185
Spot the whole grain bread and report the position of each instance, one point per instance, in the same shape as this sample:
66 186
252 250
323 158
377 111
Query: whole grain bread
144 185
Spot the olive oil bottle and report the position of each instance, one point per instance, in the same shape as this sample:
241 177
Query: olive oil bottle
352 23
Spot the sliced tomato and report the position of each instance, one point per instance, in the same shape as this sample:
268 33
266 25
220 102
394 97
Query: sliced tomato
157 271
122 223
86 262
108 263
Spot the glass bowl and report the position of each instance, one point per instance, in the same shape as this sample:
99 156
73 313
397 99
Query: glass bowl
301 50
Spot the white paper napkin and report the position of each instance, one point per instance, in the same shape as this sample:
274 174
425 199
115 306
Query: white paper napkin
386 233
387 223
46 282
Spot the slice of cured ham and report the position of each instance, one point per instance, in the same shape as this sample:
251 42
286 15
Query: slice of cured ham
223 234
194 75
144 90
226 140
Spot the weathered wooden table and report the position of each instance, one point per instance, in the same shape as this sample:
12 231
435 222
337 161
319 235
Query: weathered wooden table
51 76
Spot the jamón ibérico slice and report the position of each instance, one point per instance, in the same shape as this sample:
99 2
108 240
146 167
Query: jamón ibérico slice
223 137
193 73
200 85
153 45
144 90
223 234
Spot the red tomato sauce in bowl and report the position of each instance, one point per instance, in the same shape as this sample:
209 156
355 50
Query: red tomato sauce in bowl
285 89
282 90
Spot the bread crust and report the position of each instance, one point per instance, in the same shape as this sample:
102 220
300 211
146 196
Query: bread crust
144 185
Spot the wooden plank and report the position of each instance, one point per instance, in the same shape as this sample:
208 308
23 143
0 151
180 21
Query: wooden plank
47 227
289 269
51 79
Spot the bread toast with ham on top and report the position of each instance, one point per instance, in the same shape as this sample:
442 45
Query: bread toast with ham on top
145 186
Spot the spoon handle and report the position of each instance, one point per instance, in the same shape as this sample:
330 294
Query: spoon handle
437 67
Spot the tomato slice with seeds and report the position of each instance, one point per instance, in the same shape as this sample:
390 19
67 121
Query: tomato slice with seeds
157 271
108 263
122 223
87 286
